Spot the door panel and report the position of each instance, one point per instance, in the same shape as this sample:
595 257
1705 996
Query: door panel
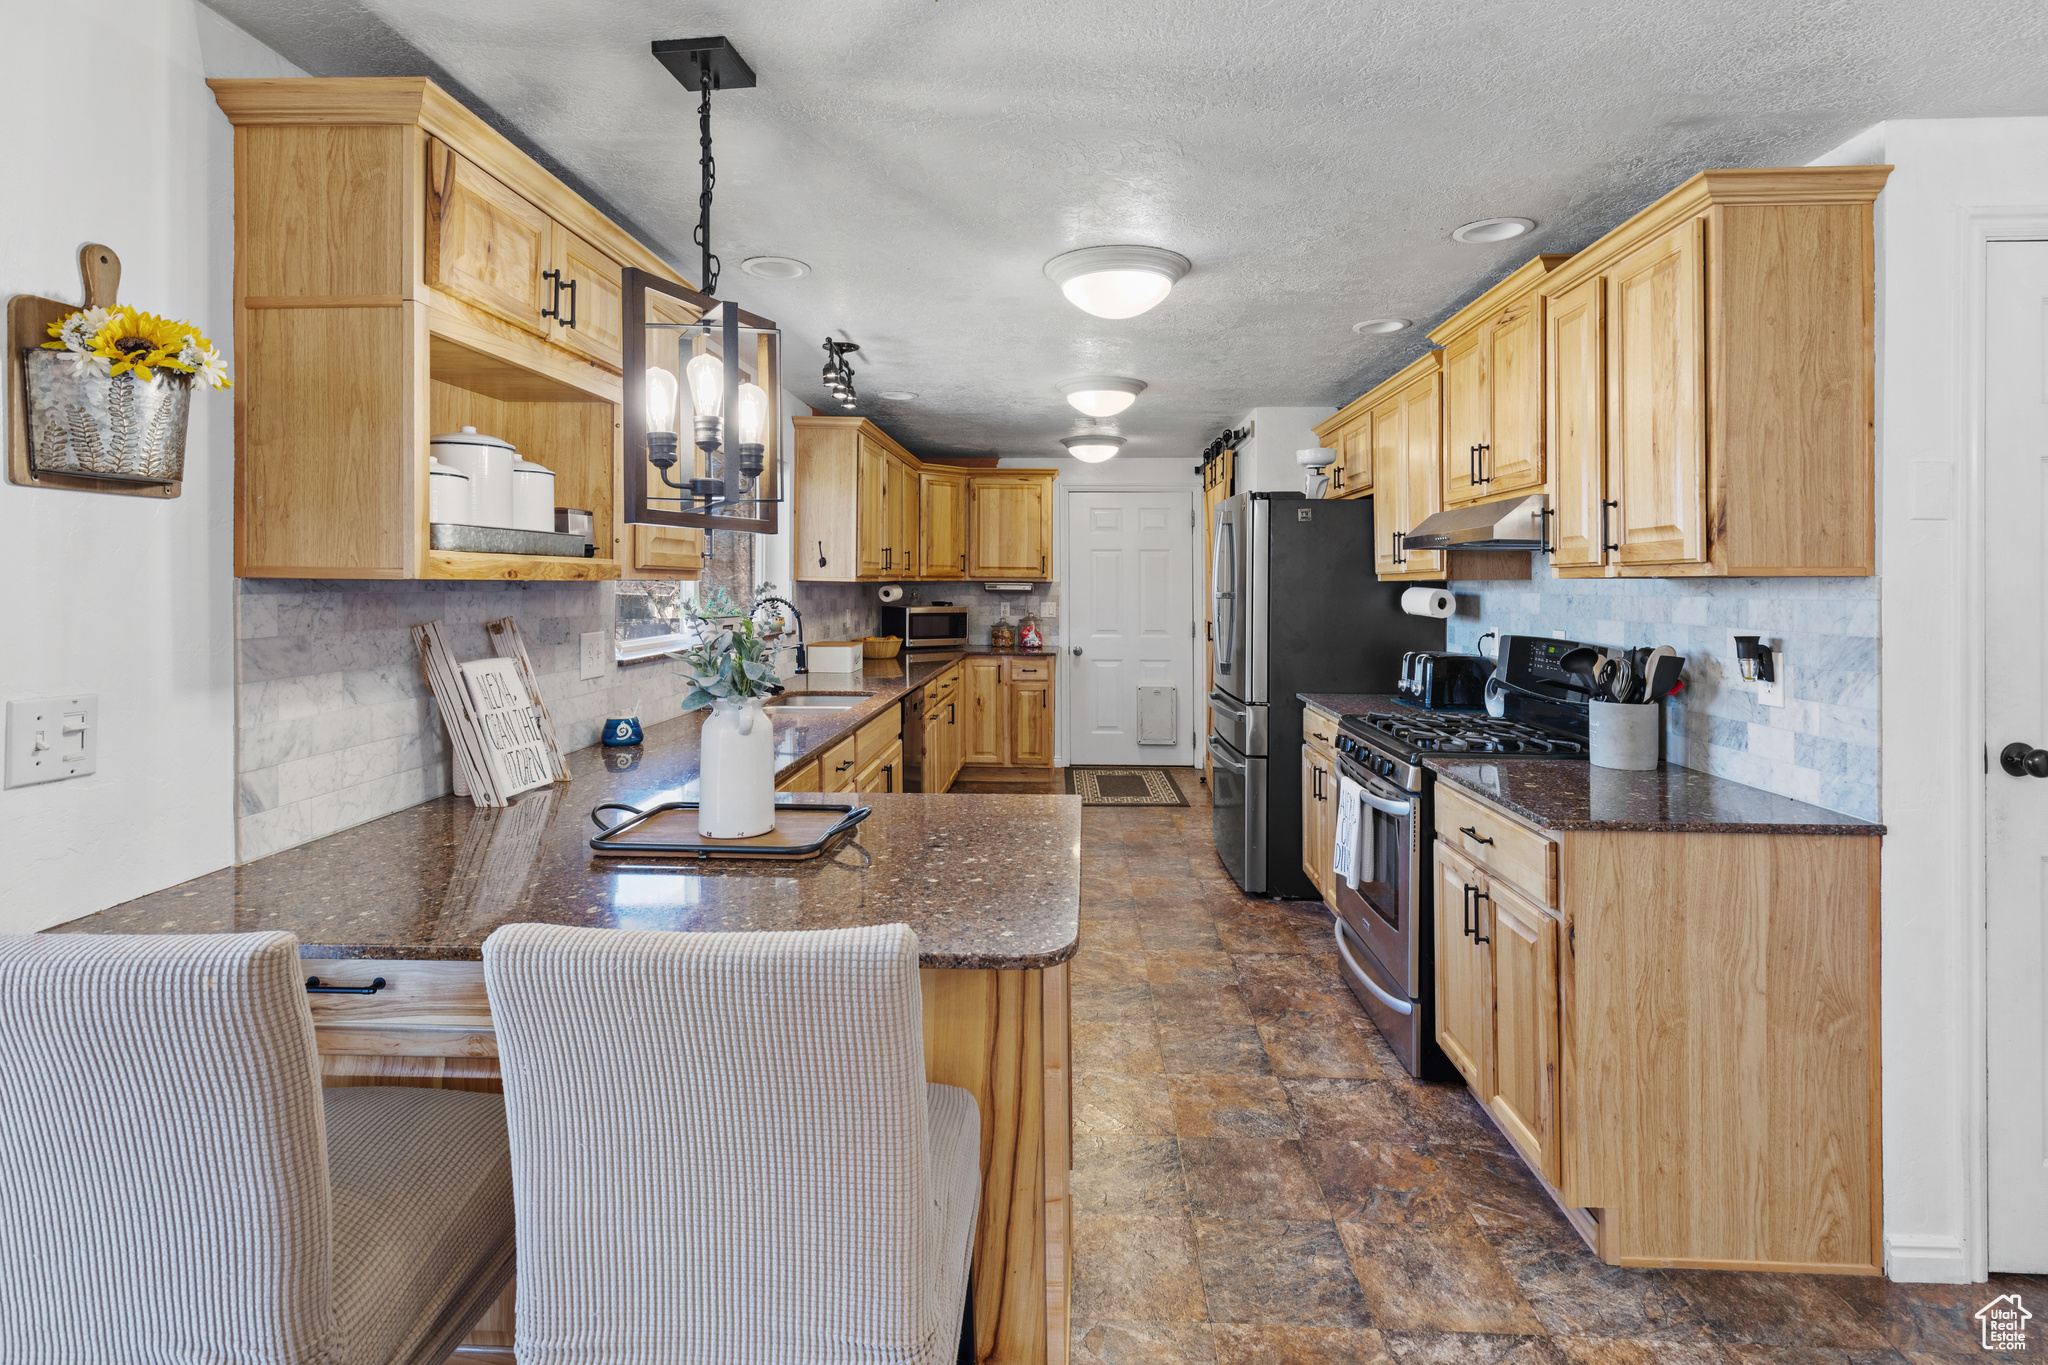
1525 1059
1464 985
1575 416
1390 490
942 525
1656 429
1311 795
1514 389
1357 451
982 710
1465 418
900 559
1422 470
1030 724
484 244
667 549
1009 527
2016 709
1130 559
871 509
589 317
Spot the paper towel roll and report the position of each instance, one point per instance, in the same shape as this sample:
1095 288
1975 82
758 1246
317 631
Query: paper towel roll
1428 602
892 593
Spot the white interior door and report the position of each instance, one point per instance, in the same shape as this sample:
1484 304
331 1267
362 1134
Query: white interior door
1131 625
2016 712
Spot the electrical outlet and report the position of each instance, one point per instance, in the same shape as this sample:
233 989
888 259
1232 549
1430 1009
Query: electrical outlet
1770 693
51 739
595 655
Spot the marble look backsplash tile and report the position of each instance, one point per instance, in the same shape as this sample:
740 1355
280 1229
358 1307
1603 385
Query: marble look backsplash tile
1820 747
335 726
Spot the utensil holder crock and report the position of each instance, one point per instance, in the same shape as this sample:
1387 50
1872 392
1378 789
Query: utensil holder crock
1623 734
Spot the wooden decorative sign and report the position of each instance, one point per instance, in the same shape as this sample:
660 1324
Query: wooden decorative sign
503 741
514 745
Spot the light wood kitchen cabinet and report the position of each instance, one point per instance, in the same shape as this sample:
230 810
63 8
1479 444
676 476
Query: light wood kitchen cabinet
868 509
1030 734
395 276
1010 525
945 729
804 779
1407 476
1464 970
981 688
666 551
1319 820
1493 390
1734 382
1349 433
1524 1088
883 773
942 524
839 769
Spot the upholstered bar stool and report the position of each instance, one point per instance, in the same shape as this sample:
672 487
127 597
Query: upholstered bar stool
175 1186
724 1148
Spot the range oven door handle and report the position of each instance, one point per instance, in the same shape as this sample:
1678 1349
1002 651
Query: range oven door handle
1400 810
1397 1006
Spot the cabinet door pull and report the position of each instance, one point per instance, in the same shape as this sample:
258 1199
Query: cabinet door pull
554 308
951 719
1466 925
1482 450
1477 837
1604 505
1549 545
821 554
569 321
1472 465
1478 896
313 987
963 563
890 769
1041 566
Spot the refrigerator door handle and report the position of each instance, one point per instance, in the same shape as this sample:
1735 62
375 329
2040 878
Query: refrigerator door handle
1220 756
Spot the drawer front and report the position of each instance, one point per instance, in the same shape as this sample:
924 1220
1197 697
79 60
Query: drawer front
1027 670
804 779
1318 729
418 995
1501 845
836 769
878 734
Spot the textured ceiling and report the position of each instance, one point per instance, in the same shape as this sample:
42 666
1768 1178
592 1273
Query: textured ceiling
927 158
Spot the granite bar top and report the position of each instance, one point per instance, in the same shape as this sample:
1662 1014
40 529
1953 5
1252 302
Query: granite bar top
1568 794
986 882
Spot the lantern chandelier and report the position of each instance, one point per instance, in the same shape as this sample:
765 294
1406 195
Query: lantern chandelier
730 416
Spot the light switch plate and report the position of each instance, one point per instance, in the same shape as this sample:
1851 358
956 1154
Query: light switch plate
595 655
52 738
1050 611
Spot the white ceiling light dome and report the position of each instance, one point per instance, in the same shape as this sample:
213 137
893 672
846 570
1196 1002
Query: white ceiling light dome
1092 449
1492 230
774 267
1117 281
1102 395
898 396
1379 327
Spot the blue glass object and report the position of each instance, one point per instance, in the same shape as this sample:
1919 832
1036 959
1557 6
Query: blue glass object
622 730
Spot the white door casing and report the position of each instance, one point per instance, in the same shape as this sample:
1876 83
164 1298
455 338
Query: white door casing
1129 609
2016 710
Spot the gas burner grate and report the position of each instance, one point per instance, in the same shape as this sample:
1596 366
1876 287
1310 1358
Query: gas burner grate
1473 734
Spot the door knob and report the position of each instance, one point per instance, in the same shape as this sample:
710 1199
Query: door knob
2023 760
1077 651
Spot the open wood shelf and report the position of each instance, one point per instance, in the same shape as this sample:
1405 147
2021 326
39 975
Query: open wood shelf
559 568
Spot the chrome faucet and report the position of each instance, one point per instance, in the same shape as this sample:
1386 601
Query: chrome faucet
802 660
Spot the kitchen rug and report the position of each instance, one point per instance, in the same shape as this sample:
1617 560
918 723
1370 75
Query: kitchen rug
1124 787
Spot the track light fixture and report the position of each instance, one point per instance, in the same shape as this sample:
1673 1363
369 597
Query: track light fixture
839 374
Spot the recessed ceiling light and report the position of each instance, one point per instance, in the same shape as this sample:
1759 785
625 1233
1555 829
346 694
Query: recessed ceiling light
1092 449
774 267
1492 230
897 397
1117 281
1102 395
1379 327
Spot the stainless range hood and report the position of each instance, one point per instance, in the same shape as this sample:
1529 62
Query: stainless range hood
1510 524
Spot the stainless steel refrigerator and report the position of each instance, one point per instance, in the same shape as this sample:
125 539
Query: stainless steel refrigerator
1296 608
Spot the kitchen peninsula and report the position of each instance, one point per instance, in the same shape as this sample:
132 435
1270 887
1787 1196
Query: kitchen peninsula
990 884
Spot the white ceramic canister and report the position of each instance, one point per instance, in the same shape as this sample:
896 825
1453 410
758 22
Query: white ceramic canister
736 771
1623 734
533 496
488 462
447 495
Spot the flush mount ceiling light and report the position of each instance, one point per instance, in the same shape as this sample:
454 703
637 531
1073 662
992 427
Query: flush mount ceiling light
1492 230
1379 327
1116 281
1092 449
774 267
896 397
1102 395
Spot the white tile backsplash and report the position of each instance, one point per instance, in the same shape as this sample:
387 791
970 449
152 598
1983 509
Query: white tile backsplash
335 726
1820 747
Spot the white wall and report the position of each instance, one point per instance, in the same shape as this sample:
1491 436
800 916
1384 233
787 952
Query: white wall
1265 461
1929 501
114 138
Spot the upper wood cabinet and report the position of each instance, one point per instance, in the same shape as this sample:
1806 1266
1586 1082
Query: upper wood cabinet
396 274
1407 435
1493 390
1708 385
869 509
942 517
1009 517
1349 433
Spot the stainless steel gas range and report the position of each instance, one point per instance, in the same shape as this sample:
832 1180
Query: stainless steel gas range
1385 925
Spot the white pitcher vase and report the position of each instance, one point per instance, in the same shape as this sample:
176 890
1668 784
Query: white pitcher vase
736 771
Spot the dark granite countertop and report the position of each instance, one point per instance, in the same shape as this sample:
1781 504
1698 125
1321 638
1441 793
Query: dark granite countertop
1564 794
984 881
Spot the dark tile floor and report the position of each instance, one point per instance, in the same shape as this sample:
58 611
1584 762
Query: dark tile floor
1257 1180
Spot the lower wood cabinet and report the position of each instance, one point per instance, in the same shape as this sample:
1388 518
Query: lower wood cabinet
804 779
839 768
1464 970
1007 705
884 772
1523 1093
1319 820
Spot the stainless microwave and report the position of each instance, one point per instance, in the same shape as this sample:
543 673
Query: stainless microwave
926 627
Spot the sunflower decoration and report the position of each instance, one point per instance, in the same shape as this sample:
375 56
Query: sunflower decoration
119 341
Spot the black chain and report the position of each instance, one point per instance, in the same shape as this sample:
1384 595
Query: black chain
710 168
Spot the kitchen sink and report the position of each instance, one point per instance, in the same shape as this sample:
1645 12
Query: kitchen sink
815 701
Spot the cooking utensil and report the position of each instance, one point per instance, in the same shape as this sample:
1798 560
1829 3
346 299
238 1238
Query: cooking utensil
1664 670
1623 680
1583 663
